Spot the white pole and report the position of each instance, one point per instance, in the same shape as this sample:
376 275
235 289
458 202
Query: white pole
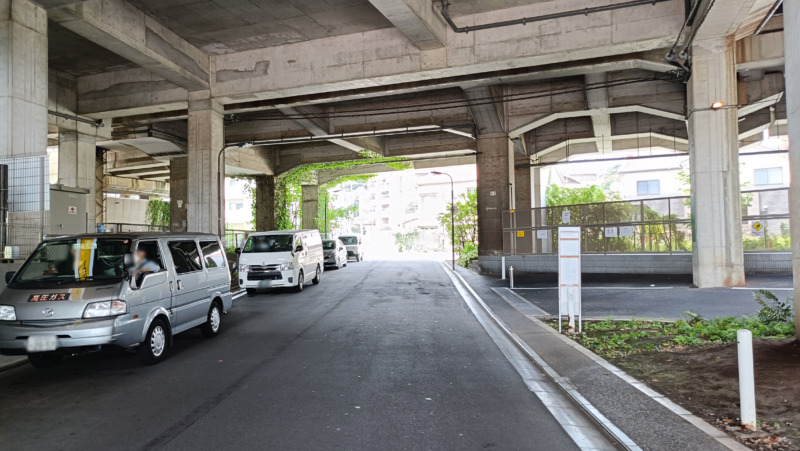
747 391
503 268
511 275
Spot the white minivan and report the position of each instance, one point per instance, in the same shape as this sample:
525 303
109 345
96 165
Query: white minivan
281 258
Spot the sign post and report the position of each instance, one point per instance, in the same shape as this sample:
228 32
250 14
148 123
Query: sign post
569 277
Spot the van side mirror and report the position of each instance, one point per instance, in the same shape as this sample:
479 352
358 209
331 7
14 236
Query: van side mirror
299 248
238 250
127 260
9 276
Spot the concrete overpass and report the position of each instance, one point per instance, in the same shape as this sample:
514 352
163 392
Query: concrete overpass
161 88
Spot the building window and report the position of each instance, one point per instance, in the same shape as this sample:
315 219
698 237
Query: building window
648 187
768 176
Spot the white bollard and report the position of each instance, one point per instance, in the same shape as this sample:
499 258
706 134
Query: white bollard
511 276
502 268
747 390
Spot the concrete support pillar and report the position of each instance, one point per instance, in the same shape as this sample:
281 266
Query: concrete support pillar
265 202
714 158
77 167
23 79
495 152
178 193
522 187
206 139
310 206
791 20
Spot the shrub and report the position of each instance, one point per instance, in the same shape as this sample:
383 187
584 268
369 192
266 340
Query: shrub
773 310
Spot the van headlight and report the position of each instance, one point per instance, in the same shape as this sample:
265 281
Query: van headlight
8 313
287 266
244 268
105 308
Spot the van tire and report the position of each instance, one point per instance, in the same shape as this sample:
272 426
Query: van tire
154 347
301 281
317 277
358 258
45 359
252 291
213 324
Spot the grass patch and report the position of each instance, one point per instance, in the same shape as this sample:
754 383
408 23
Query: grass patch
613 339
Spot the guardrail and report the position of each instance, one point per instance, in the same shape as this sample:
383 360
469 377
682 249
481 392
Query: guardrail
655 225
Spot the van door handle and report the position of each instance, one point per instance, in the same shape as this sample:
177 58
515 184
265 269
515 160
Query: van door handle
180 285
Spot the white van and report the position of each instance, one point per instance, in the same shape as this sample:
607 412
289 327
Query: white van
354 245
281 258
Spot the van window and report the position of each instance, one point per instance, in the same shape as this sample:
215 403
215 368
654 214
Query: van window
268 243
75 259
212 254
151 258
349 240
185 256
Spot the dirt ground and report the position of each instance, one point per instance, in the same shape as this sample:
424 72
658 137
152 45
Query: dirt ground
706 382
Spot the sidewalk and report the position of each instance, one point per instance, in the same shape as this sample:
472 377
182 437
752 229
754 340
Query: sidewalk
650 420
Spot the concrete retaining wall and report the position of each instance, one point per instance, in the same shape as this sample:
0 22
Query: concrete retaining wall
754 263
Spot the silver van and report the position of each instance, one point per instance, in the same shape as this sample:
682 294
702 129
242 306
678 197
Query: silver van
135 291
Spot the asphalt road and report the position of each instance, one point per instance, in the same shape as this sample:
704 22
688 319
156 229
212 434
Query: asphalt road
381 355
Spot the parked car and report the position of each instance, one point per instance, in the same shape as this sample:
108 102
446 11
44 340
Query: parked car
282 258
354 245
335 253
135 291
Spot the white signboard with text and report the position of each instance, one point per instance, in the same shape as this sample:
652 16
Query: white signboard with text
569 276
565 216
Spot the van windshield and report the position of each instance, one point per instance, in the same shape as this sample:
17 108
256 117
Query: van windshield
349 239
329 244
268 243
75 259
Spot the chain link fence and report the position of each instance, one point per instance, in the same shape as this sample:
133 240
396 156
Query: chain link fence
656 225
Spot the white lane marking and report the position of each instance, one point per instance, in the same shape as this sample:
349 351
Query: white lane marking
580 429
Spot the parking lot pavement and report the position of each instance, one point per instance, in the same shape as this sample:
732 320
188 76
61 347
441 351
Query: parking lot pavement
381 355
647 297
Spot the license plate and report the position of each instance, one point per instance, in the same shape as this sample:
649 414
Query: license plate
42 343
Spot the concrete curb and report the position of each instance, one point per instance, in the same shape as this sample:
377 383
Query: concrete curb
721 437
12 362
562 382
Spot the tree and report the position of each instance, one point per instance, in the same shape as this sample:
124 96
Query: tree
466 225
559 195
157 212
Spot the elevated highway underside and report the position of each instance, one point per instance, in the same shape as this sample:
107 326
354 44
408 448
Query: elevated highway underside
161 89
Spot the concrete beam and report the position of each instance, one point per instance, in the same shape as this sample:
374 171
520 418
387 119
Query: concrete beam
737 18
125 185
417 20
596 112
597 99
386 57
486 105
760 52
120 27
319 127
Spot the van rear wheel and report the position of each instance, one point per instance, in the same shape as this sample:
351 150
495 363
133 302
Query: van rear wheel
213 324
45 359
301 281
317 277
154 346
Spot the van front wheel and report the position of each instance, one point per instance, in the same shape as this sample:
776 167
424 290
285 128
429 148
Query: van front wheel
213 324
316 278
154 347
301 281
